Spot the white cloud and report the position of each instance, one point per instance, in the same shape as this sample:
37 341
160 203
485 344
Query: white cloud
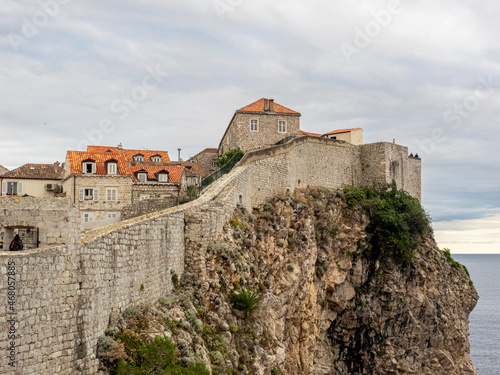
470 236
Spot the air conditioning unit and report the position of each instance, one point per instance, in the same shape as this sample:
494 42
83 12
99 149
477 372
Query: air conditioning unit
50 187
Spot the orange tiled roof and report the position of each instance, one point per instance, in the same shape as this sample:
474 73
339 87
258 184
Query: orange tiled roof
303 133
342 131
258 106
76 158
174 172
129 154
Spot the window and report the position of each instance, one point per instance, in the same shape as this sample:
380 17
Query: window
144 197
88 167
156 158
89 194
142 176
111 215
111 194
88 217
12 188
254 125
112 168
163 177
282 126
139 157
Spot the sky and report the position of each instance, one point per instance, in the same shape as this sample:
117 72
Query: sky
166 75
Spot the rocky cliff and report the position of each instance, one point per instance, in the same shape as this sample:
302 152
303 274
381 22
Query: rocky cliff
329 298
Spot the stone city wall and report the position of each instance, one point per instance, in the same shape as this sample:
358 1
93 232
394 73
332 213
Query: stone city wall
56 219
65 295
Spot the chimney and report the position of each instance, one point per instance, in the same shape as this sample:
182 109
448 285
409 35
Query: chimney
120 147
57 164
266 105
179 154
271 105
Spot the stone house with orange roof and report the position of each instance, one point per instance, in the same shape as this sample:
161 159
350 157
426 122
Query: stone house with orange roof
258 125
103 181
265 123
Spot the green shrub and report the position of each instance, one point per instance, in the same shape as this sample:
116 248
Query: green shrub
447 254
246 301
175 281
159 357
224 158
397 220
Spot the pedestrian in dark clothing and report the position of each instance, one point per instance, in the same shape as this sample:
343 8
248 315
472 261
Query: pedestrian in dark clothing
16 243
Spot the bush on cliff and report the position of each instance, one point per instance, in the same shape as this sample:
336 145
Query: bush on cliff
397 220
158 357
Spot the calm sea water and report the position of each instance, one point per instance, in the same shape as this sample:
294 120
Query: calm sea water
485 318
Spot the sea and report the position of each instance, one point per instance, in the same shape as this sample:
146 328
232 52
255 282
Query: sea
484 324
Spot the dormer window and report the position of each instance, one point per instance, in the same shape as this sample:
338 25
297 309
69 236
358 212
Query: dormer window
142 176
163 177
88 167
156 158
112 168
139 157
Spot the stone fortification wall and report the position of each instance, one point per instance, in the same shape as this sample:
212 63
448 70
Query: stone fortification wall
384 162
55 218
65 295
147 206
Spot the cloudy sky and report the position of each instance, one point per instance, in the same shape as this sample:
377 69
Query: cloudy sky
163 75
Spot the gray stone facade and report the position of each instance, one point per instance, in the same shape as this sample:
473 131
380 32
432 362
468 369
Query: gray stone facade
240 134
207 159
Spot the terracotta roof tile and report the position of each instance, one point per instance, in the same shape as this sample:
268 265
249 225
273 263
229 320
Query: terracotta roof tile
3 170
36 172
129 154
303 133
76 158
174 172
258 106
342 131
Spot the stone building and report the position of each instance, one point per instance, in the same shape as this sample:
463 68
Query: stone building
98 183
105 180
37 180
260 124
207 159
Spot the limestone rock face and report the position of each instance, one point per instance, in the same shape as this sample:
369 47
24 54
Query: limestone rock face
330 309
329 306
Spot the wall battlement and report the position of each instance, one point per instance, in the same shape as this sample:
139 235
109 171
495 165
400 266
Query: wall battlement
64 295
